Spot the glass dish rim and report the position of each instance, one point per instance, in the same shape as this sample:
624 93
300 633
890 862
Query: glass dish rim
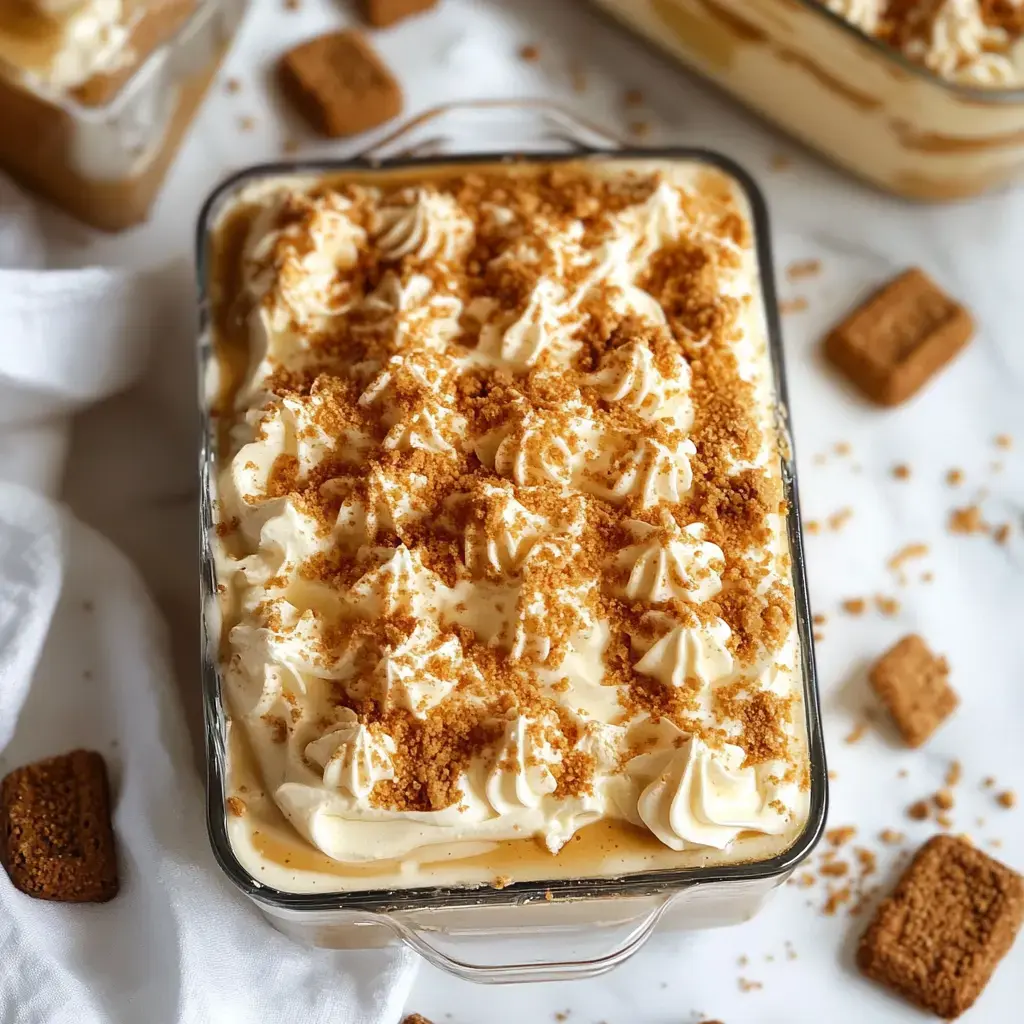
635 885
102 111
974 93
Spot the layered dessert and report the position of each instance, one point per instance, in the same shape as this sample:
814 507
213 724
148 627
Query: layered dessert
924 98
501 540
74 124
971 41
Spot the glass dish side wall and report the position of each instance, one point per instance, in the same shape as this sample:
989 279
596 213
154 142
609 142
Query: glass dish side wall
580 927
105 164
855 100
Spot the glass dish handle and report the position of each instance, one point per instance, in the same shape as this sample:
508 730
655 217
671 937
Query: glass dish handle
481 126
594 950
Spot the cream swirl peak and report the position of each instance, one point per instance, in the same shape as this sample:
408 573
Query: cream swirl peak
977 42
500 534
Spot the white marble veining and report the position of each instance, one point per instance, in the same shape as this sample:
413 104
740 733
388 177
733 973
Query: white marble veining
132 470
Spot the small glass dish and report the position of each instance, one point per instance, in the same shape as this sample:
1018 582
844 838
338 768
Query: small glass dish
858 101
101 151
530 930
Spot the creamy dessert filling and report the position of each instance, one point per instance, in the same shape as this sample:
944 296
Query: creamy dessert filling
977 42
501 539
60 46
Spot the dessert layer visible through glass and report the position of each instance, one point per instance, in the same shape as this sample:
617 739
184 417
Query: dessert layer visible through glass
82 121
501 540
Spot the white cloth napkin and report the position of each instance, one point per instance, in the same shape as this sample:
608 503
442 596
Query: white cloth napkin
83 662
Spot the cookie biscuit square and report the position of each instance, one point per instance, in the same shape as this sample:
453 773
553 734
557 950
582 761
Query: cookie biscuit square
56 839
381 13
940 936
913 684
339 84
893 344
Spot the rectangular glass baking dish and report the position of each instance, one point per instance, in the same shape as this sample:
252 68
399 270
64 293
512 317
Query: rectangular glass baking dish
861 103
529 930
104 162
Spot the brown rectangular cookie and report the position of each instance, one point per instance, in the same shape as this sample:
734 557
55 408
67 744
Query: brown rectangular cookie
56 839
381 13
939 937
913 684
340 84
901 337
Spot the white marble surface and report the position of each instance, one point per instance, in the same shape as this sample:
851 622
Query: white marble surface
132 473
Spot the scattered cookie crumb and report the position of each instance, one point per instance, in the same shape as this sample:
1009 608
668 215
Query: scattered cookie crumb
562 1015
633 98
834 869
247 123
954 477
290 147
797 305
818 636
640 129
988 782
954 773
812 526
236 806
839 519
232 85
919 810
943 820
905 554
549 895
887 606
1007 799
944 800
502 882
1004 441
749 986
820 620
836 899
839 836
901 471
781 162
891 837
1001 534
967 520
854 606
529 52
856 734
803 268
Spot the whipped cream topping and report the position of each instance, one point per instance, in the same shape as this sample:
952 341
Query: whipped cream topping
970 41
83 39
490 571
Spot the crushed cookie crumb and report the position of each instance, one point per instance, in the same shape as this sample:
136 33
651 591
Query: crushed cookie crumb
954 477
1007 799
803 268
967 520
795 305
919 810
901 471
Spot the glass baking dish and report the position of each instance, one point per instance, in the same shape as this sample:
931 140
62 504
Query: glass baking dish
858 101
103 158
526 931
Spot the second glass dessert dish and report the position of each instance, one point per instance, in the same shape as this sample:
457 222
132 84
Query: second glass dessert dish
505 612
924 100
96 96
